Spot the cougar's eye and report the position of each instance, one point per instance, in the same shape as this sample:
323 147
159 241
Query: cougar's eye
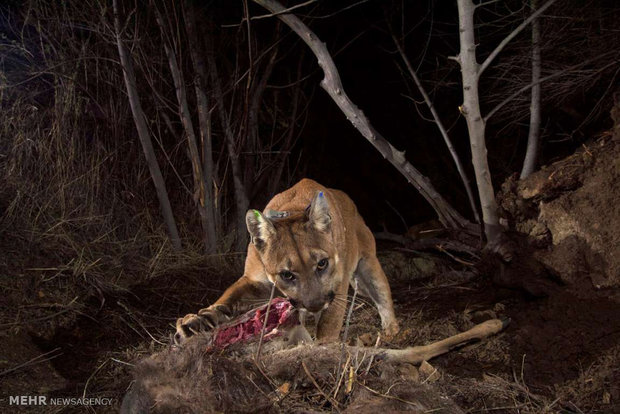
322 265
287 276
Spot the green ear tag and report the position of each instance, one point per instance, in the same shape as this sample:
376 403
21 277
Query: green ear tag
256 214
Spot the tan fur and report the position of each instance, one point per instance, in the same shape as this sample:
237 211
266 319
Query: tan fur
319 223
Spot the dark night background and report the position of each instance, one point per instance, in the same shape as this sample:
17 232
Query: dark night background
327 148
373 76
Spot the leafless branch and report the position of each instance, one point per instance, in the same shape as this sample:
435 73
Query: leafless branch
512 35
332 84
442 130
541 80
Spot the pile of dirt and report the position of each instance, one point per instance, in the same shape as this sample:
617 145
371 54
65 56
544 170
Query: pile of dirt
561 347
570 211
552 337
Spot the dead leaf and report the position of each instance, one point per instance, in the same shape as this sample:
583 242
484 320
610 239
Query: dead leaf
284 388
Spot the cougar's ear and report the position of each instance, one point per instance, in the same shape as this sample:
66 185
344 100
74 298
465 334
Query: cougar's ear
260 228
318 212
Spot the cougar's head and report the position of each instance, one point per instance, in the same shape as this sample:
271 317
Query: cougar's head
298 252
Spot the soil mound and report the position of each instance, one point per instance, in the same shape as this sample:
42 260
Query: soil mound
571 211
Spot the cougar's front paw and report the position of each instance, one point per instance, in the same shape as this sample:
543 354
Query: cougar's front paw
206 319
390 330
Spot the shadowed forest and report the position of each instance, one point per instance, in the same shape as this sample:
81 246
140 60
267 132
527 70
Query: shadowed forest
480 142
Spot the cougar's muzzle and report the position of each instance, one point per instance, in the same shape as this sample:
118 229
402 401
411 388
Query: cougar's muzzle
314 304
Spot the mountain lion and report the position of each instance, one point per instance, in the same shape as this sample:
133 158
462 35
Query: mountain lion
310 242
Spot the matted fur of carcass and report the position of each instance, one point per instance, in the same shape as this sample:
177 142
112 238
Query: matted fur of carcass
199 379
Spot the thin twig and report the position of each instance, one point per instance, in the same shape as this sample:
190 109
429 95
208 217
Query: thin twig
391 397
486 3
33 361
541 80
348 320
342 376
262 332
135 330
327 397
92 375
442 129
43 318
123 362
346 328
461 261
135 318
511 36
266 16
372 357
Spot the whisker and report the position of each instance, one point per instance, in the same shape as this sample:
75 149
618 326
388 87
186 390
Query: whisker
339 306
358 300
344 303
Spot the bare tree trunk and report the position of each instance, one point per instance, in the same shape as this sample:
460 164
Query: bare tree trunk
470 73
241 198
204 120
333 86
475 123
186 120
276 178
533 146
442 130
143 134
252 124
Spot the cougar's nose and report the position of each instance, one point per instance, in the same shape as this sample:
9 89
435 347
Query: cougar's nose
314 305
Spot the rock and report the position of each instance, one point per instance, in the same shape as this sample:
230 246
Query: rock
428 373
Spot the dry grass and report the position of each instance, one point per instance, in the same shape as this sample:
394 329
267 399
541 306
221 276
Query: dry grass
597 386
77 215
85 261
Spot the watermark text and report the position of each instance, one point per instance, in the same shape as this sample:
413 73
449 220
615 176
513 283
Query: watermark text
41 400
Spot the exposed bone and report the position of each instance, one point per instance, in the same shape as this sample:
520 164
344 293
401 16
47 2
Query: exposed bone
418 354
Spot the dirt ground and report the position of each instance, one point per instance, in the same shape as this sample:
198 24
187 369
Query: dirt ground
565 346
560 353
